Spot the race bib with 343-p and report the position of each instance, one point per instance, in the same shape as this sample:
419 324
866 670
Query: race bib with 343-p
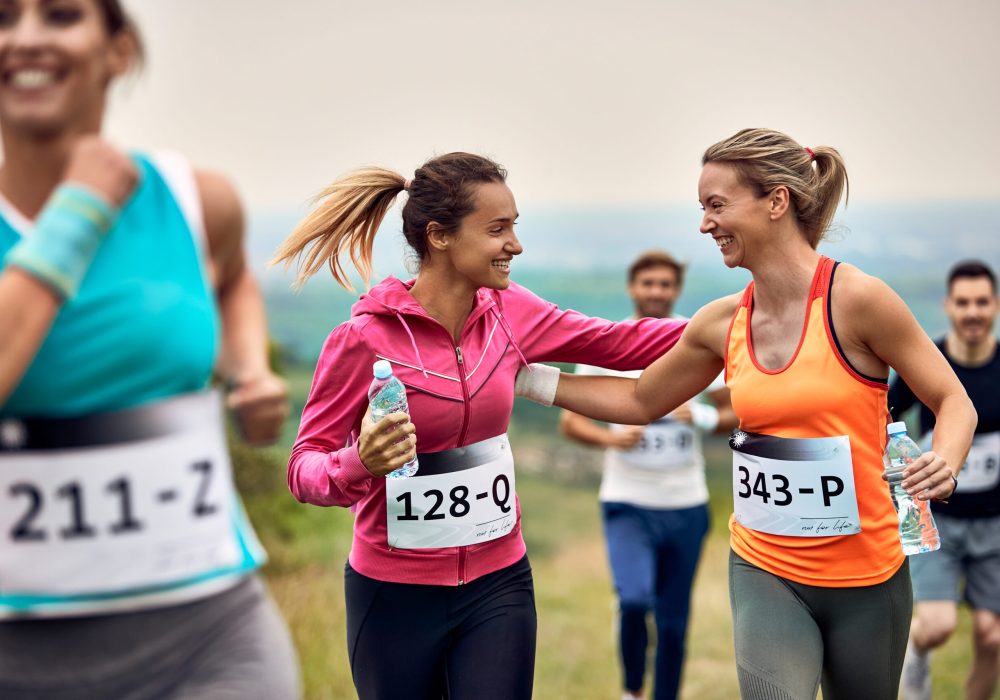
800 487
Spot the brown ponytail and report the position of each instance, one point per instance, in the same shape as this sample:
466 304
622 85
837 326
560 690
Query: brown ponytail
350 211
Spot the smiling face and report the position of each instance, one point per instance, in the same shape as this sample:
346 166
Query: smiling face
653 291
735 216
972 307
484 245
56 61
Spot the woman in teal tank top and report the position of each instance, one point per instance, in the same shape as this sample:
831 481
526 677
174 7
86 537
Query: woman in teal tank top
124 553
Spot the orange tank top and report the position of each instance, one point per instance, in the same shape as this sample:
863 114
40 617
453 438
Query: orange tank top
817 394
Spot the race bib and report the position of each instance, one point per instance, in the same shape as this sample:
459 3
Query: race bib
459 497
116 503
981 471
800 487
665 444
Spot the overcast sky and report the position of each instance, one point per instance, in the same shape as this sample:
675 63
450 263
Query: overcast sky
585 102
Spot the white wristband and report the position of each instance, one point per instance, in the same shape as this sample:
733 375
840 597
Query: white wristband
537 382
704 417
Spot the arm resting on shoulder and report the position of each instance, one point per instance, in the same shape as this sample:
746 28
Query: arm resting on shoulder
546 333
677 376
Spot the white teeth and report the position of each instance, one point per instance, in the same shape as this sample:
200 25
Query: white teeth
32 78
502 264
723 241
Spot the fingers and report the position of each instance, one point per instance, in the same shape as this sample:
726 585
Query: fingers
260 408
682 413
103 169
927 477
388 444
628 436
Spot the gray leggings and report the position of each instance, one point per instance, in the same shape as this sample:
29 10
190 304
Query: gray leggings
231 646
791 637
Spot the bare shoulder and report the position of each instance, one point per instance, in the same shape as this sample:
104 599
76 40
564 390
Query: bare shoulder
224 222
854 287
710 324
858 296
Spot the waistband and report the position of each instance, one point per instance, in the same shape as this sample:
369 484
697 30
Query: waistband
145 422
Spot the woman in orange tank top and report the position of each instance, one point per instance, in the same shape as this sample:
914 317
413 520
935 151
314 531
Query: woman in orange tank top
819 589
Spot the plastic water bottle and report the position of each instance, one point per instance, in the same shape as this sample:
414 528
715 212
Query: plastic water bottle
388 395
917 531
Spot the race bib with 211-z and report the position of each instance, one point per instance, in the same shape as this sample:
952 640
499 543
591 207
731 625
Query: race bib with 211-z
114 504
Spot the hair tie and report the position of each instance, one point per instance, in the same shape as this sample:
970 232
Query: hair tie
407 185
812 156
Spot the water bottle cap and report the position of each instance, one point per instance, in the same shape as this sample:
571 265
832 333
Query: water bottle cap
896 428
382 369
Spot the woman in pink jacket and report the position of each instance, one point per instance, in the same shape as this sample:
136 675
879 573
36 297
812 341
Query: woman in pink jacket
438 587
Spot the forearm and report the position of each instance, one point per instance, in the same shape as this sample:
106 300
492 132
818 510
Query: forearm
728 420
584 430
46 268
323 478
609 399
244 330
955 424
27 309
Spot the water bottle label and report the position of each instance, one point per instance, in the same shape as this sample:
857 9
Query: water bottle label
459 497
800 487
665 444
981 471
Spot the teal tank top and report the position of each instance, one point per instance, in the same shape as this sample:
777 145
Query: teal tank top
143 327
144 324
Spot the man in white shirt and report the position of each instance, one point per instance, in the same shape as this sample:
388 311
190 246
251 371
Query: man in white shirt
654 499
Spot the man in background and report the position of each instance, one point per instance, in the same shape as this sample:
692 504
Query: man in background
968 563
654 499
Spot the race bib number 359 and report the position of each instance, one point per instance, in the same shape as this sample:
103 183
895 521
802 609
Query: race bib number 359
664 445
981 471
800 487
459 497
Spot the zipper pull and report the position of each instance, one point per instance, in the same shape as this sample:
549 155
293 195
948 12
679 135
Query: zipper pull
458 354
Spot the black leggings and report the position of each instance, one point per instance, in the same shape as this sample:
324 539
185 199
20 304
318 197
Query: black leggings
790 637
471 642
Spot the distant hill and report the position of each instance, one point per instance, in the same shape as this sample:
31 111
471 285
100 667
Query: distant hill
576 258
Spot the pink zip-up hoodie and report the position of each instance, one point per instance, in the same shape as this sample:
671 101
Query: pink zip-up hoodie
457 396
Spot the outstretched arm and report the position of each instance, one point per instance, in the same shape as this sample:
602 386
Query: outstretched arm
677 376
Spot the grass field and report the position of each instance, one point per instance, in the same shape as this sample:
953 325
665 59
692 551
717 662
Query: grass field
576 653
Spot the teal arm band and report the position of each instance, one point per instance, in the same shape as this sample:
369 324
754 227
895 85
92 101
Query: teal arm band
66 238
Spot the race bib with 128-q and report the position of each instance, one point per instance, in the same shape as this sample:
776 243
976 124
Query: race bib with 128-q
459 497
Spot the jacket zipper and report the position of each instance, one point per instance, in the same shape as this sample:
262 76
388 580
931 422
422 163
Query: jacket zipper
461 441
465 395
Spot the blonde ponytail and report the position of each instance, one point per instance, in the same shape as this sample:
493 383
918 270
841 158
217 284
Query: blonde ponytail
345 219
